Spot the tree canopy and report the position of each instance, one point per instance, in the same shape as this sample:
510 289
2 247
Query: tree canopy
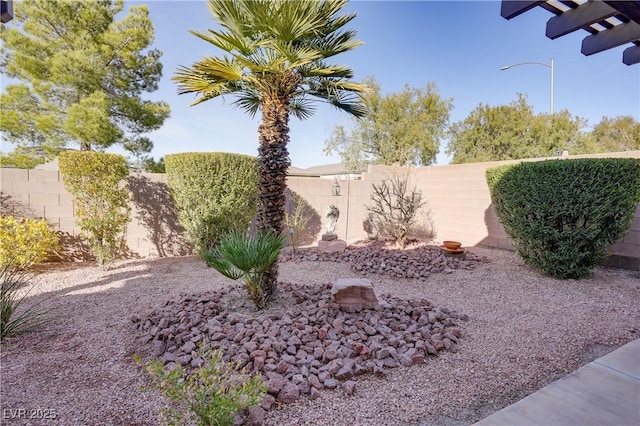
399 128
616 134
506 132
81 75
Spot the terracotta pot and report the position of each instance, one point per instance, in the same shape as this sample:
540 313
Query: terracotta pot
452 245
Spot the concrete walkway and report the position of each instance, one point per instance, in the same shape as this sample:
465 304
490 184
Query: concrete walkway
604 392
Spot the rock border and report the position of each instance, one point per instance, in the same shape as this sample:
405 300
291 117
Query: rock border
367 258
308 347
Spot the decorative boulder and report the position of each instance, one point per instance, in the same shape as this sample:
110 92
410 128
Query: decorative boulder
354 294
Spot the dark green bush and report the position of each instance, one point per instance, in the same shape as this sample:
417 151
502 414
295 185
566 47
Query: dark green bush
562 215
214 193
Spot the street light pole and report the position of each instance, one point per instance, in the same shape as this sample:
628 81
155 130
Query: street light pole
549 65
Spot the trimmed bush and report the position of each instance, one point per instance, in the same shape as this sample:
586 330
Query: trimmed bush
214 193
98 183
562 215
25 242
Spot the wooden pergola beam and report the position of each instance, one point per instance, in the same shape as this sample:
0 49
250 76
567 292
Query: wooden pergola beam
6 11
631 55
608 39
511 9
630 9
572 20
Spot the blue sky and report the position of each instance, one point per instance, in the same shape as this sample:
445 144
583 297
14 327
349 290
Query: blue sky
458 45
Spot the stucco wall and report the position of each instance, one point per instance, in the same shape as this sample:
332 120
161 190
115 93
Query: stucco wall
457 195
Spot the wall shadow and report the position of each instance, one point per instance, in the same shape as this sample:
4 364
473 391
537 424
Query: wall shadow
73 249
496 236
297 206
156 212
13 207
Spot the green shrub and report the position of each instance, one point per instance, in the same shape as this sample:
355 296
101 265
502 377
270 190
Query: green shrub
212 395
25 242
14 289
98 183
214 193
562 215
246 257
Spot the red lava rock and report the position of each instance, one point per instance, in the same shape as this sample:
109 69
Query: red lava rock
331 383
267 401
310 347
349 387
275 383
289 393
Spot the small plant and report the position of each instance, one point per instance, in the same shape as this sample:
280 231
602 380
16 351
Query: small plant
14 288
295 218
98 183
246 257
395 208
25 242
212 394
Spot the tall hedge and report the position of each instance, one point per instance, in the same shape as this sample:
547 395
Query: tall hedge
214 193
562 215
98 183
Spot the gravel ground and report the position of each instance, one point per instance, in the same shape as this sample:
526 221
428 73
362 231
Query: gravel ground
524 331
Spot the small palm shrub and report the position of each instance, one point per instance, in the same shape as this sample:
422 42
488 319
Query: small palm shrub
98 183
14 317
25 242
212 395
238 256
562 215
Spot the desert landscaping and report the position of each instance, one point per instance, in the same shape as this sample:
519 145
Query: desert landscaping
508 332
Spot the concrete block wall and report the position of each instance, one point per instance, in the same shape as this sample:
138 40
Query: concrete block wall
153 231
457 195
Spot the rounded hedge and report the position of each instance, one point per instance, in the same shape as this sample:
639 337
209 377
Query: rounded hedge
214 193
562 215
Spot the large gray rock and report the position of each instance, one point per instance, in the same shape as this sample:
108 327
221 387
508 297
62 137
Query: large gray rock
354 294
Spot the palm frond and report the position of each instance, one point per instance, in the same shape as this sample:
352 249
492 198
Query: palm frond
301 107
239 255
329 71
228 42
219 69
248 101
268 41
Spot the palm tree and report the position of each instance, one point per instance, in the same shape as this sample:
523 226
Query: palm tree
274 61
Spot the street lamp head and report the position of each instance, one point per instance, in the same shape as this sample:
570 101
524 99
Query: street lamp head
505 68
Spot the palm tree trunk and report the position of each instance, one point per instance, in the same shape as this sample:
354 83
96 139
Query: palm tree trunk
273 163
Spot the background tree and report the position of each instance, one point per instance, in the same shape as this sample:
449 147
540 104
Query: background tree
153 166
400 128
81 75
506 132
275 63
616 134
138 149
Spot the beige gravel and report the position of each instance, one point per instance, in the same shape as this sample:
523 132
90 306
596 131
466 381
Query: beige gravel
524 331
